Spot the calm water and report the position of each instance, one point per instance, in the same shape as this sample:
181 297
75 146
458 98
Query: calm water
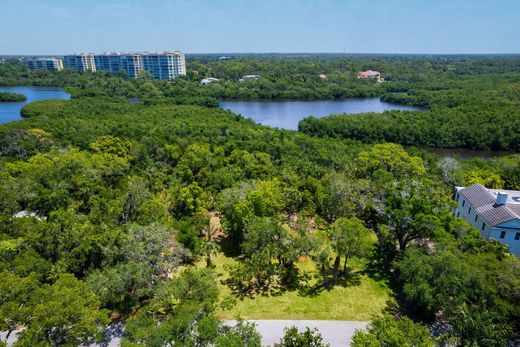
11 110
287 114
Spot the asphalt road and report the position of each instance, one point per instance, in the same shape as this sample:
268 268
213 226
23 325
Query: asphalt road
336 333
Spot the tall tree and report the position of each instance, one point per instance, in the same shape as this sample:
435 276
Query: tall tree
349 238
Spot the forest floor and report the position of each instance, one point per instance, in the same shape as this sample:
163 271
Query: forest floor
364 294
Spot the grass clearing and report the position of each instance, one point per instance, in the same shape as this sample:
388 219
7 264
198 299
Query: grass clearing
359 298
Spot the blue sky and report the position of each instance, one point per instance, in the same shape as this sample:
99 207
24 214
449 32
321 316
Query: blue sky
195 26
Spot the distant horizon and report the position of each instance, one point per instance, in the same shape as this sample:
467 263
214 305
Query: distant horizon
269 53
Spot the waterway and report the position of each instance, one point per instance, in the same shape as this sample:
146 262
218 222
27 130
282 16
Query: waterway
287 114
279 114
10 111
465 153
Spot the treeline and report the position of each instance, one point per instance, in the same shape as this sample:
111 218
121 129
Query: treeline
106 202
12 97
419 80
463 127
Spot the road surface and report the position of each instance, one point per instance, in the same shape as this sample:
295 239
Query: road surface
336 333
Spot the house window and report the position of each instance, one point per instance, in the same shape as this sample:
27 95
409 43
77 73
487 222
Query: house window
502 234
483 226
469 210
463 202
517 236
476 217
458 214
457 197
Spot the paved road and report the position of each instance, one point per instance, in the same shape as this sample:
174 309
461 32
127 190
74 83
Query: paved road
336 333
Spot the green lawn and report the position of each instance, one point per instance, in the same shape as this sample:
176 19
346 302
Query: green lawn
358 299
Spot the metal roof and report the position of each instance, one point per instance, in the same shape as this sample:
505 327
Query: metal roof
477 195
483 201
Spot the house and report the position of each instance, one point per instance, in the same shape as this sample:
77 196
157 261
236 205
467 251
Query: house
24 214
496 213
370 74
208 80
322 76
249 77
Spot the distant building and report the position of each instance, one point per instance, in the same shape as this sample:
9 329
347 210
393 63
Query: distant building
370 74
80 62
53 64
108 62
208 80
163 65
27 214
496 213
322 76
249 77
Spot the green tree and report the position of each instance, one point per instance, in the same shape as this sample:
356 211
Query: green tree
388 331
247 199
191 199
477 327
391 158
111 145
243 334
349 238
209 247
308 338
145 256
180 313
338 196
434 282
64 313
411 210
15 296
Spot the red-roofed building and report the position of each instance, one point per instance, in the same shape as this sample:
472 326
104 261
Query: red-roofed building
370 74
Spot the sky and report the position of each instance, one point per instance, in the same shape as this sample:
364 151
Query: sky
252 26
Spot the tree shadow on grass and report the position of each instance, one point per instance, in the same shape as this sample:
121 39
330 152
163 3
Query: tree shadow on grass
307 284
348 279
327 282
308 289
378 269
250 291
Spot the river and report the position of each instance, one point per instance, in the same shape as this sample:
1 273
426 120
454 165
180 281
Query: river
10 111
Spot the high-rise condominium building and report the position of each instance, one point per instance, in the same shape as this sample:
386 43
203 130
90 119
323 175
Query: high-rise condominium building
45 63
80 62
163 65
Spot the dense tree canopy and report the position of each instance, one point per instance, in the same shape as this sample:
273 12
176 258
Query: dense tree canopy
108 206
